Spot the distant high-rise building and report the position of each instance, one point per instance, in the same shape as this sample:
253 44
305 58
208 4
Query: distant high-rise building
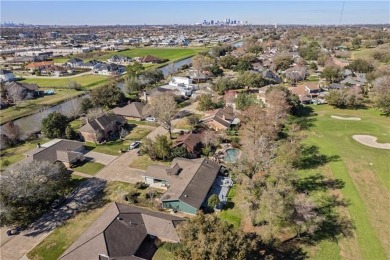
212 22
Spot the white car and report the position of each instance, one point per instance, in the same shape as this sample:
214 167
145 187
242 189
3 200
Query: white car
150 119
134 145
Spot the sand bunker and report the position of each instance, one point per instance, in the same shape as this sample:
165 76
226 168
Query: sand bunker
370 140
346 118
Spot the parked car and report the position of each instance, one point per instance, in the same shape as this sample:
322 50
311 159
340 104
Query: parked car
58 202
134 145
150 119
13 231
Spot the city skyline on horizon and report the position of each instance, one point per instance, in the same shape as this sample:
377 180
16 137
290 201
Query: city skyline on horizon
176 12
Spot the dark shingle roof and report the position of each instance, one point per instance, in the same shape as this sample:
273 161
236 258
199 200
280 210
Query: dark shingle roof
134 109
31 87
102 123
120 231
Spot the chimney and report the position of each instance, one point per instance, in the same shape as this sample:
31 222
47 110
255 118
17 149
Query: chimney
38 145
223 117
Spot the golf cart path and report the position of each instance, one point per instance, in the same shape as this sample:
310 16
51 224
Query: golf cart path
346 118
370 141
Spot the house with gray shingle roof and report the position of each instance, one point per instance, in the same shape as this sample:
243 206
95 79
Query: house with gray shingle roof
102 128
124 232
134 110
188 182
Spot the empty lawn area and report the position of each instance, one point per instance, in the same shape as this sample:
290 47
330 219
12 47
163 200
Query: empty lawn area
90 168
86 81
231 213
144 161
365 172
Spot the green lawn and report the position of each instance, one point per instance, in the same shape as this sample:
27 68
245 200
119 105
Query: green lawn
57 242
144 161
90 168
232 213
86 81
365 173
14 154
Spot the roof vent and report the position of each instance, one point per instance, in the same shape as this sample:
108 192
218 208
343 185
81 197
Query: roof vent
119 218
186 196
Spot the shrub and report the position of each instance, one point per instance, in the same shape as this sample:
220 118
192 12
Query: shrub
141 185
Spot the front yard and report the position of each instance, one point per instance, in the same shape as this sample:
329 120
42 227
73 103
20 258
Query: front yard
90 168
144 161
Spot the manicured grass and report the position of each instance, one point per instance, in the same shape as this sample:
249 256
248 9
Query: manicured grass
364 171
163 254
144 161
31 106
16 153
86 81
138 133
57 242
231 213
183 124
76 124
90 168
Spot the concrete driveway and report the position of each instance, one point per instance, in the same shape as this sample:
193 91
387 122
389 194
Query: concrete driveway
119 169
82 198
100 157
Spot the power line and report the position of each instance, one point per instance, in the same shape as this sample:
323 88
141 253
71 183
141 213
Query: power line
342 12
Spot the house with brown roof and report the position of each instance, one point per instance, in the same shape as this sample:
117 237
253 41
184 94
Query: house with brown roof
307 92
151 59
102 128
58 150
134 111
39 65
188 182
220 119
192 142
124 232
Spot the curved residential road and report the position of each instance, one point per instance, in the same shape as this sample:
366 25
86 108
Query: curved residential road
81 199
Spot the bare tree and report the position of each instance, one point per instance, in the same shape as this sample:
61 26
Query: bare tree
200 62
12 131
163 107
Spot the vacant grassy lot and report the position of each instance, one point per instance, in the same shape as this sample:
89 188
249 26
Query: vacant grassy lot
90 168
57 242
86 81
365 172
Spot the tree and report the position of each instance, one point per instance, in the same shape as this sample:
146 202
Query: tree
163 107
70 133
216 70
27 190
200 62
12 131
278 105
132 84
193 121
213 201
208 237
244 100
159 149
346 98
151 77
360 65
222 84
313 66
228 61
86 105
205 102
107 96
250 79
381 94
283 61
74 85
331 73
243 65
209 140
296 74
134 69
54 125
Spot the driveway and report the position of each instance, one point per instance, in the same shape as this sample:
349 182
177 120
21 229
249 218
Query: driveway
119 169
81 199
100 157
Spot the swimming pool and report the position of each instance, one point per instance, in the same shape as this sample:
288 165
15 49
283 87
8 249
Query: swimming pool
231 155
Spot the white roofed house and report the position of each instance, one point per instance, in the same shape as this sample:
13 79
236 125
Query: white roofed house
181 86
109 69
118 59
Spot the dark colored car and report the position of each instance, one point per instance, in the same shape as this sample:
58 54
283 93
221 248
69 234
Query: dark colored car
13 231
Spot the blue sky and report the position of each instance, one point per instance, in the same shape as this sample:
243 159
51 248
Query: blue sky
189 12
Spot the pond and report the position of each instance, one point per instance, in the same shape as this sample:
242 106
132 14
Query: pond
231 155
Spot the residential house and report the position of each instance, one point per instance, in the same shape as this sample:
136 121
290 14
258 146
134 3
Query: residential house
119 59
56 71
92 64
198 76
188 182
6 75
16 91
148 95
151 59
220 119
74 62
102 128
181 86
124 232
271 77
109 69
58 150
337 86
192 142
308 92
39 65
134 110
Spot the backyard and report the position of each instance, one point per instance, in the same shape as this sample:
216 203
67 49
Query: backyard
86 81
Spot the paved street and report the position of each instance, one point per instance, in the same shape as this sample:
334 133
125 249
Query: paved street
81 199
119 169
